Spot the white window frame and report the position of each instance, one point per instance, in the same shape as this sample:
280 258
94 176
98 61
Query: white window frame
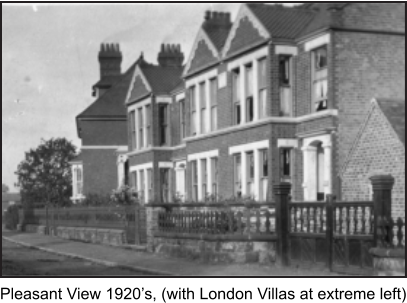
136 107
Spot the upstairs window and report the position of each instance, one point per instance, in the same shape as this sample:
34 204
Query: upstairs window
182 119
236 97
148 125
192 98
249 94
133 134
202 100
141 128
285 86
164 127
214 103
262 88
320 79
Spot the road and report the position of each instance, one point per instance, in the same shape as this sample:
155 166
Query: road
21 261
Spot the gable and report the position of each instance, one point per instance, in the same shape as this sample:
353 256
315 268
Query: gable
203 54
139 89
203 57
246 35
376 142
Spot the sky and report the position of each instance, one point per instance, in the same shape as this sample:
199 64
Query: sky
49 62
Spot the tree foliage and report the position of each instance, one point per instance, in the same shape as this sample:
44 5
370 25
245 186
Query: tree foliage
4 188
45 174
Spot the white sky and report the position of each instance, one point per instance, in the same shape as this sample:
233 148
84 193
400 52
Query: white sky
49 62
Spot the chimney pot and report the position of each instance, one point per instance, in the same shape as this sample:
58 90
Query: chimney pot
208 15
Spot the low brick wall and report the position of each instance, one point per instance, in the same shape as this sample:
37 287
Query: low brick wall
216 251
389 262
87 235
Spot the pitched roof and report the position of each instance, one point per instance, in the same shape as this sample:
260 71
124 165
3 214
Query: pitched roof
111 103
8 197
107 81
162 79
282 22
395 112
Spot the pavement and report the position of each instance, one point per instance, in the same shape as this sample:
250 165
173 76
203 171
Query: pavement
147 263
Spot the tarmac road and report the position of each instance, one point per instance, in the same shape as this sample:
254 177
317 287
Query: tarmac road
21 261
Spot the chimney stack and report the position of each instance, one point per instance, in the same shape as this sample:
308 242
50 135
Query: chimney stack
110 59
171 55
217 20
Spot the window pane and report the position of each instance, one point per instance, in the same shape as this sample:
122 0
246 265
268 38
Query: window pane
249 81
250 163
237 114
203 121
286 162
263 103
238 175
192 98
214 91
182 118
265 171
193 123
202 95
262 73
236 86
321 58
214 118
250 109
285 71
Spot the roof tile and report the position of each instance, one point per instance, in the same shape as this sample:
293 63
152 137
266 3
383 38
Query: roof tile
395 112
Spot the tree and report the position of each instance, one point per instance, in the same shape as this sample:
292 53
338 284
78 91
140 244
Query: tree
44 177
5 188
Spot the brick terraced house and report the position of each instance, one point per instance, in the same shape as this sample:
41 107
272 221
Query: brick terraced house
379 150
102 127
278 94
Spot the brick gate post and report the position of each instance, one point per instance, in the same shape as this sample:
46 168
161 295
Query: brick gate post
282 194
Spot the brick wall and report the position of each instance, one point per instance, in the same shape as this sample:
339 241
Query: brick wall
375 16
104 133
377 152
367 66
302 88
99 171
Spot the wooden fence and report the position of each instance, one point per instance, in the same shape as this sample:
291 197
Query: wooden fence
239 222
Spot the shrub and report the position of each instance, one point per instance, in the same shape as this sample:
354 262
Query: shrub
96 200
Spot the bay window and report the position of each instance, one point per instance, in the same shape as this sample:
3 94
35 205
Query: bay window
285 86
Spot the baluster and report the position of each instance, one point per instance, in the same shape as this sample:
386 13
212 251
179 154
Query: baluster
390 237
347 220
248 221
308 220
363 230
258 221
302 219
268 223
314 217
295 219
239 222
